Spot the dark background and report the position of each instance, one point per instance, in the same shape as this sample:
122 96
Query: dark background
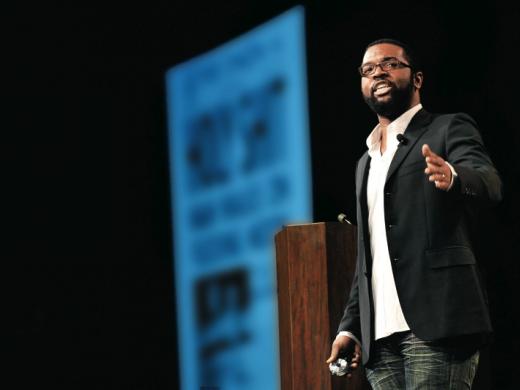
85 162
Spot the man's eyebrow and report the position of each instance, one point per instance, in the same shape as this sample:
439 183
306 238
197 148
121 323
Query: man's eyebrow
384 59
389 58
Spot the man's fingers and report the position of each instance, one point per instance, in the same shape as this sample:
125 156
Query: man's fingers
357 353
437 177
332 357
333 353
356 357
426 151
431 157
434 169
435 161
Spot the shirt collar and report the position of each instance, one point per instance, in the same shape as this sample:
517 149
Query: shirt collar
397 126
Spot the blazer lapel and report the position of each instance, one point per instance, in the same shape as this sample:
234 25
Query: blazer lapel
414 131
361 193
361 175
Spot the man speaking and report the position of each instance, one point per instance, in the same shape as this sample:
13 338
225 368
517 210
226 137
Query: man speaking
417 311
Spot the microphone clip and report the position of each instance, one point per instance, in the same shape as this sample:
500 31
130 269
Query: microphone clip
401 139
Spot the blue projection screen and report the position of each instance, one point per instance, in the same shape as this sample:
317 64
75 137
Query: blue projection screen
240 170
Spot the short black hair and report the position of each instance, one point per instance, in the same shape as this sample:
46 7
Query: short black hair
409 53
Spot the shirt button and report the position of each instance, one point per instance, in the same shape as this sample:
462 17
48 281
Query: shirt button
390 226
395 259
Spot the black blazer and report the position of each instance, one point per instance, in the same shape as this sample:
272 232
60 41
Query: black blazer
428 233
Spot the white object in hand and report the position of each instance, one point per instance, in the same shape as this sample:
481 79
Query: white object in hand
339 367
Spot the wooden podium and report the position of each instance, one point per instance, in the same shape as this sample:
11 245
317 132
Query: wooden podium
315 266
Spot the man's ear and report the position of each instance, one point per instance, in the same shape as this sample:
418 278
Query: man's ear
417 80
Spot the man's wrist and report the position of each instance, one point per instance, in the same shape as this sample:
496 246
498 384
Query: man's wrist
349 334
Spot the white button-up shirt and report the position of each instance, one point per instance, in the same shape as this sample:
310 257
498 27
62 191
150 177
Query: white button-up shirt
388 315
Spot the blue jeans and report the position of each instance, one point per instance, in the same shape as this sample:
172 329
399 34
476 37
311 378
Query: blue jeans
403 361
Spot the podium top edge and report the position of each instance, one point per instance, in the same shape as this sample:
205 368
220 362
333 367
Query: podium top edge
304 224
316 223
323 225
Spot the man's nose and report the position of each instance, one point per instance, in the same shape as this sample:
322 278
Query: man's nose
379 72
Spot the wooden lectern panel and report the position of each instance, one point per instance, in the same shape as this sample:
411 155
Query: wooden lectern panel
315 267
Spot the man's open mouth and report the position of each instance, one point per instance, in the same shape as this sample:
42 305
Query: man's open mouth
381 88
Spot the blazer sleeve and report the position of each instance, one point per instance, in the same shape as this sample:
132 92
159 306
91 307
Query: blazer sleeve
350 321
477 179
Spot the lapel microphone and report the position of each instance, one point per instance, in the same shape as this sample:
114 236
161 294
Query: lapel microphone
402 139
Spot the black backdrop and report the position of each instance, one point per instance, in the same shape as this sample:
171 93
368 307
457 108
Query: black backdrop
86 165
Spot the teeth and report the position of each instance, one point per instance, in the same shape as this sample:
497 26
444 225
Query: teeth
381 90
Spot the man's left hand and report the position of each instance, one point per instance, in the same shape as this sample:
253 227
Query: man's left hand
436 168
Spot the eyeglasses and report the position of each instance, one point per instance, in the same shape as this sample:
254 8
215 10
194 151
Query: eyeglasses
368 69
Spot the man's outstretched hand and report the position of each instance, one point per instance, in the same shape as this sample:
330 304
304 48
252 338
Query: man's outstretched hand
344 343
436 168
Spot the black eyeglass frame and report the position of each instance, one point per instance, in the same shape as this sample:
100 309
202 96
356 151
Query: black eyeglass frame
382 65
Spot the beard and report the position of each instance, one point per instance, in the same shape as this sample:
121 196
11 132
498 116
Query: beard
399 102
